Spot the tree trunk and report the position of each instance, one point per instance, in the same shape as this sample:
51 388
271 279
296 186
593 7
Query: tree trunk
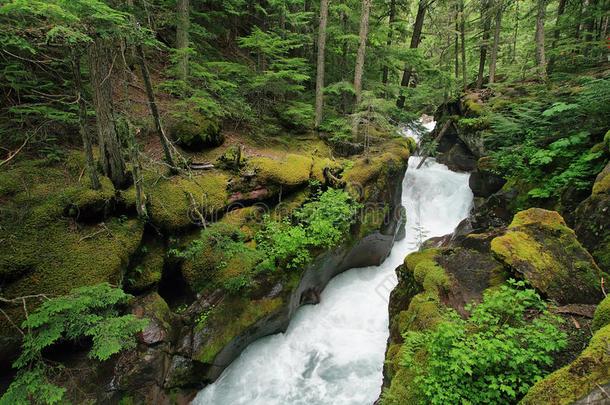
344 65
321 58
182 40
515 33
110 148
590 25
494 48
415 40
152 103
581 26
457 44
560 10
539 39
463 44
359 69
386 68
484 45
82 120
151 97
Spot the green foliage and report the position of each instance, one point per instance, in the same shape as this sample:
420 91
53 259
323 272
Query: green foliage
549 144
323 222
328 219
86 312
32 386
494 356
219 256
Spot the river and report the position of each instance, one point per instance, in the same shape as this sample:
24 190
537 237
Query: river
333 352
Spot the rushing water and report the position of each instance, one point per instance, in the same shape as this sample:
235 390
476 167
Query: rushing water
333 352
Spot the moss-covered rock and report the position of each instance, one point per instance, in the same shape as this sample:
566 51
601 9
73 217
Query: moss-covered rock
197 131
473 108
320 164
148 271
220 259
423 282
588 372
42 250
290 170
228 320
55 258
601 317
592 222
370 177
248 220
602 182
175 205
85 204
542 249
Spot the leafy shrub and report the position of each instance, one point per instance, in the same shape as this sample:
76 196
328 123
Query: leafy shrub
328 219
284 244
86 312
494 356
323 222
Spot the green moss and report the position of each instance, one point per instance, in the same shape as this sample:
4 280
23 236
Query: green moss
602 182
425 312
85 203
486 164
247 220
230 320
220 259
10 183
539 217
540 247
372 220
589 371
473 108
155 307
402 390
395 153
288 205
150 269
171 206
76 163
392 360
291 170
607 140
415 258
602 315
57 258
197 131
319 164
412 145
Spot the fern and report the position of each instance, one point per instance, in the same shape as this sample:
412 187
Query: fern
90 311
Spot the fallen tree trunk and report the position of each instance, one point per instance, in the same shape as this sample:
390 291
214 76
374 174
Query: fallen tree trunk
437 139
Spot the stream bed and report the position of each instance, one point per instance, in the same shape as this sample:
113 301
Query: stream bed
333 352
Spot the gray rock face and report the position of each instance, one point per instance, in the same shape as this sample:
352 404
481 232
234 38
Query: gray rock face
599 396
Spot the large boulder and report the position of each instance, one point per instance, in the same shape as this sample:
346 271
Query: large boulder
581 382
483 181
592 220
429 281
196 131
459 158
601 317
540 247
